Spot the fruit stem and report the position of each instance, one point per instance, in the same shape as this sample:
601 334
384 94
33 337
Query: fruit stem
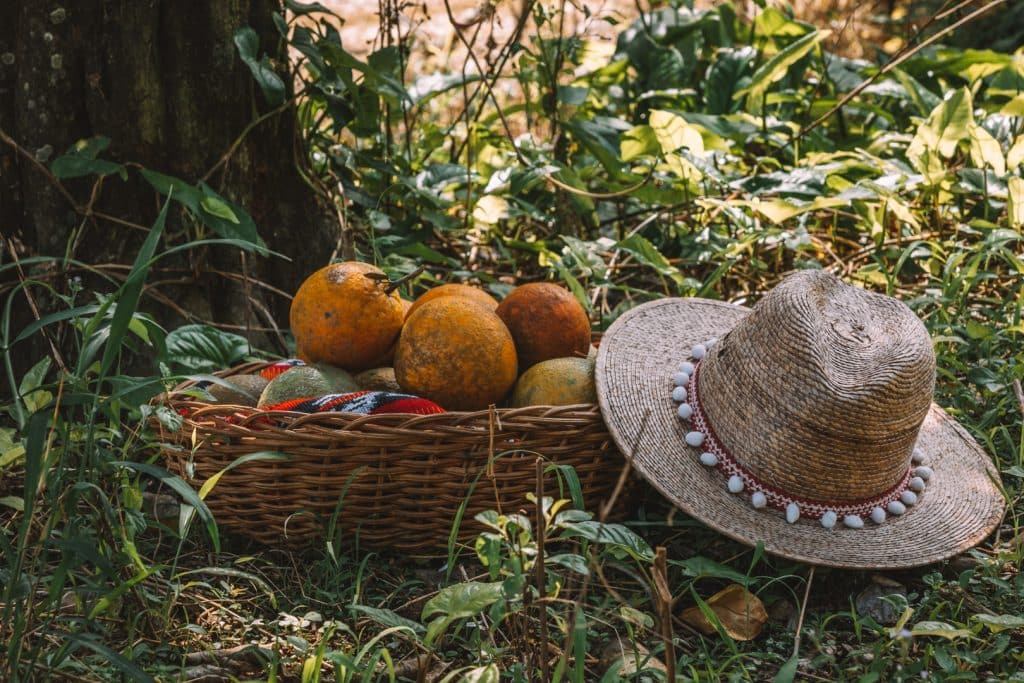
395 284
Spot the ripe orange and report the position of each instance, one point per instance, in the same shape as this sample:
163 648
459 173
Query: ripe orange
456 353
343 315
546 321
455 289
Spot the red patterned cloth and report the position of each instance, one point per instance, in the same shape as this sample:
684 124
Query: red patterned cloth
361 402
280 367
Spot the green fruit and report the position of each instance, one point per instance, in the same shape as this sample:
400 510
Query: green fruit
304 381
245 390
341 381
556 382
379 379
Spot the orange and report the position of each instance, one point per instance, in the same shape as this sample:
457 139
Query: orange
546 321
344 316
456 353
455 289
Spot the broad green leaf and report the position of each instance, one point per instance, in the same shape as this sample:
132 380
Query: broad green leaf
248 43
1015 202
572 561
81 160
1015 157
202 348
699 566
777 67
611 534
11 451
923 98
781 210
673 132
463 600
646 253
218 207
947 125
724 75
13 502
985 150
939 629
1014 107
1001 622
29 391
637 142
787 672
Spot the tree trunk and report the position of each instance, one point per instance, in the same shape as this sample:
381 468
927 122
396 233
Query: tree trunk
163 80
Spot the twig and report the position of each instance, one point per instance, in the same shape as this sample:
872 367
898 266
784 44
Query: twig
1019 393
803 610
32 304
894 63
664 609
395 284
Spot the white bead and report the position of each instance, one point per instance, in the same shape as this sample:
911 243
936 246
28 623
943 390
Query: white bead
908 497
918 457
679 394
792 513
924 472
735 484
687 367
896 508
708 458
694 439
681 379
710 342
685 411
758 500
698 351
853 521
828 520
878 515
916 484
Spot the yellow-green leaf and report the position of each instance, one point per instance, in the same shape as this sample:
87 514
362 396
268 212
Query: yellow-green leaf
939 629
1015 202
985 150
490 209
673 132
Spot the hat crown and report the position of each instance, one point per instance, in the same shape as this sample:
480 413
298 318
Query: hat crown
821 390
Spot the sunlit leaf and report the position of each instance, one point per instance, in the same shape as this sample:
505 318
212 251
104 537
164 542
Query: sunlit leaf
939 629
674 133
1015 204
985 150
1001 622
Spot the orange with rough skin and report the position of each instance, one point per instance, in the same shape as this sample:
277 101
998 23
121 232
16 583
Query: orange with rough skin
546 321
344 316
456 353
455 289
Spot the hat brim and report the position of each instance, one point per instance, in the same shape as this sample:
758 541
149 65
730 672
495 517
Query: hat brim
635 364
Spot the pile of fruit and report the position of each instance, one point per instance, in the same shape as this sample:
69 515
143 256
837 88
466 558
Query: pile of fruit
453 348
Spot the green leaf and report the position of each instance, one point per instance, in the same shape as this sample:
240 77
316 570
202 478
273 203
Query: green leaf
33 397
1000 622
462 600
130 292
1015 202
216 206
13 502
128 668
947 125
776 68
301 8
939 629
637 142
724 76
388 618
699 566
571 561
482 674
208 485
182 488
646 253
674 133
81 160
985 150
248 43
787 672
202 348
611 534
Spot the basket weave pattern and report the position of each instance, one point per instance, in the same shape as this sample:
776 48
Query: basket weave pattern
397 481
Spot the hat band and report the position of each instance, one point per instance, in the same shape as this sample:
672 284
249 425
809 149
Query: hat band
762 494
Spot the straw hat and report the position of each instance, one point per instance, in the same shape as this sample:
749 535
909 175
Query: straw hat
806 422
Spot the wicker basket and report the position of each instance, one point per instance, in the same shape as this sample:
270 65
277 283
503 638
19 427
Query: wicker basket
395 481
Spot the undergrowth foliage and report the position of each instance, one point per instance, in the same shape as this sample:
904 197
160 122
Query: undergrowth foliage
699 154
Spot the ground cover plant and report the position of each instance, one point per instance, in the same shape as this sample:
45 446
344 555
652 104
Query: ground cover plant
700 154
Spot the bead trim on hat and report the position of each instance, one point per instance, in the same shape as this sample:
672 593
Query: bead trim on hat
893 502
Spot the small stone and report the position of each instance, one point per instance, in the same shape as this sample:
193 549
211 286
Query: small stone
916 484
908 497
878 515
924 472
853 521
896 508
735 484
792 512
918 457
828 520
681 379
685 411
759 500
709 459
687 367
56 61
694 439
698 351
679 394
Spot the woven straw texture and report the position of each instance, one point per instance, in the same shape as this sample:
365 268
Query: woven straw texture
396 481
635 364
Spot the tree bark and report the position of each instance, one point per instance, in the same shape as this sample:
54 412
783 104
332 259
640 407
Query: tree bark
163 80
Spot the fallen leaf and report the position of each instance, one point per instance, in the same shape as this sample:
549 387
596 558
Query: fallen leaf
741 613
